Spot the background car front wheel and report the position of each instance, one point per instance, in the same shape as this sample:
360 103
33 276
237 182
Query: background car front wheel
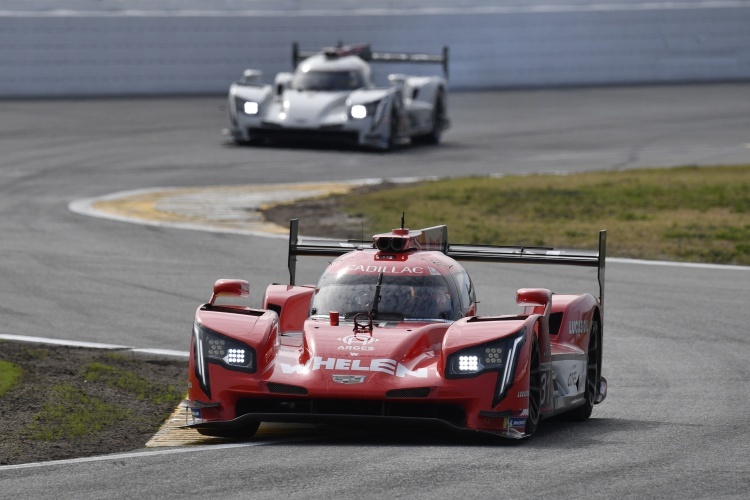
438 120
392 131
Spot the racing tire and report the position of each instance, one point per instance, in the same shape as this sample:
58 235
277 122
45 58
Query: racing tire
593 374
392 131
438 119
244 432
535 390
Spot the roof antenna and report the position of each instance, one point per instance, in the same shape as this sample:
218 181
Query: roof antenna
402 219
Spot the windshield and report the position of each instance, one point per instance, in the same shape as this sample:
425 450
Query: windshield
328 80
401 297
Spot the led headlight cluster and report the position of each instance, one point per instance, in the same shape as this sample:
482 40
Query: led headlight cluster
479 359
468 364
212 347
362 111
247 107
500 356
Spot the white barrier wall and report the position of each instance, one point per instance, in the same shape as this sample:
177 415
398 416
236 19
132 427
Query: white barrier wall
513 44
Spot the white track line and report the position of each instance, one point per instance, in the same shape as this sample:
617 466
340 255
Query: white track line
691 265
137 454
92 345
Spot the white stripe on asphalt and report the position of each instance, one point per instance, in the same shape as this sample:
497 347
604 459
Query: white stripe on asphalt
693 265
139 454
93 345
68 343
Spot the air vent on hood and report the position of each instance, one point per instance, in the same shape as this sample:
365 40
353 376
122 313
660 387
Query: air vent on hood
286 389
415 392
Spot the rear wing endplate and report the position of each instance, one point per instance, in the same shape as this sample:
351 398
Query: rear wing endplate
316 247
461 252
364 52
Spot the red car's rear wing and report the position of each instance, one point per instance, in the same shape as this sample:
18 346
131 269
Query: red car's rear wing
477 253
364 52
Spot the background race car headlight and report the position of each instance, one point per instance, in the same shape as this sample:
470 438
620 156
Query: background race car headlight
362 111
247 107
359 111
251 108
212 347
500 356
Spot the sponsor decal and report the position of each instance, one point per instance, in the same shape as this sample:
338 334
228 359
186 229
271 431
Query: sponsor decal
516 422
356 343
523 394
349 379
388 366
434 271
196 412
546 394
573 378
525 412
385 269
578 327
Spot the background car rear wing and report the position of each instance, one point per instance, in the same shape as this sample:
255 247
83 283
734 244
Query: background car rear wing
476 253
364 52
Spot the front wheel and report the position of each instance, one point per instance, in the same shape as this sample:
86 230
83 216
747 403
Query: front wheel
535 390
438 122
593 373
392 131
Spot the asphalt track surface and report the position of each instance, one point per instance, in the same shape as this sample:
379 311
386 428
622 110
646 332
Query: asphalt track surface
675 423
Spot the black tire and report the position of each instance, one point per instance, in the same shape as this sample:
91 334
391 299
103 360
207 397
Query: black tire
535 390
438 119
244 432
593 373
392 131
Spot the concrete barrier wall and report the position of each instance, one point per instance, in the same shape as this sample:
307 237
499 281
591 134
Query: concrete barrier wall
62 53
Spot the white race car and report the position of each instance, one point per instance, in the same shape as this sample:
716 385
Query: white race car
331 97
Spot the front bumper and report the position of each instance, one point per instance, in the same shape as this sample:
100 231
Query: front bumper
359 414
350 133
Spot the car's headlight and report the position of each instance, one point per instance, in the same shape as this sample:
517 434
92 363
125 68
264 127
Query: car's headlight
247 107
251 108
362 111
498 356
212 347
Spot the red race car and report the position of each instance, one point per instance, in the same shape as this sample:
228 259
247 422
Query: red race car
391 334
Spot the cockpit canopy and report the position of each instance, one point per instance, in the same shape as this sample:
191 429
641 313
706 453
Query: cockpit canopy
329 80
410 297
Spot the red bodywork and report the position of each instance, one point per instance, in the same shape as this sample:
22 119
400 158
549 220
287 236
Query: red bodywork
292 363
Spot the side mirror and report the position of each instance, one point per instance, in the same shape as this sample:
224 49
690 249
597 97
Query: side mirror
230 288
533 297
397 78
251 77
282 82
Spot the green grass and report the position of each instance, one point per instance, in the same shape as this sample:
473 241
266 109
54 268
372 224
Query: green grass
126 380
698 214
71 413
9 375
